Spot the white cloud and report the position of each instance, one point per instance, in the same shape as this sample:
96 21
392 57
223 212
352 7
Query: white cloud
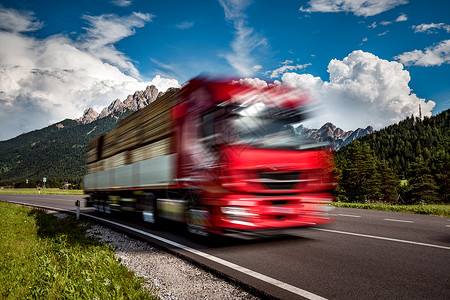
122 3
401 18
253 82
105 30
364 8
287 62
246 41
383 33
43 81
431 28
285 68
256 68
362 90
307 82
16 21
185 25
432 56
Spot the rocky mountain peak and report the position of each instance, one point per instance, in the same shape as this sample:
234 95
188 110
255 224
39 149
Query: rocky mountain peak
115 107
327 129
151 92
336 136
140 99
89 116
136 101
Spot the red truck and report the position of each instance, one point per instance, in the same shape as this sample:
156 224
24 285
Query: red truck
219 155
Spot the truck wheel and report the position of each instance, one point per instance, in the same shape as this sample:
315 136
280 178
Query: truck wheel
196 222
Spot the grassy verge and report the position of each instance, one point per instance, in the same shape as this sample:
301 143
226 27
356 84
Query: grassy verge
42 257
436 210
51 191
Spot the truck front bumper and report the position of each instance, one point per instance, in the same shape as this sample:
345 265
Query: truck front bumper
244 213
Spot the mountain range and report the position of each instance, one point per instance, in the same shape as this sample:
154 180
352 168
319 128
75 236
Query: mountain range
134 102
58 151
335 136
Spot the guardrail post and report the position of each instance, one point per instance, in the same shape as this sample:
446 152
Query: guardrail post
77 204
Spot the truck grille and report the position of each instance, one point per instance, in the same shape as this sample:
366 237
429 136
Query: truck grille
279 180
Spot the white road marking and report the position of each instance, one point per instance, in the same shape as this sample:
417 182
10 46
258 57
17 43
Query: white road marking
262 277
351 216
382 238
447 225
395 220
218 260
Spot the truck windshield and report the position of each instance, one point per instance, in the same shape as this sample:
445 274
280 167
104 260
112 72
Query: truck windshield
262 127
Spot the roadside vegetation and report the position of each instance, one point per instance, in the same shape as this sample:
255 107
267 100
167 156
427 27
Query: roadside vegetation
405 163
43 257
48 191
436 210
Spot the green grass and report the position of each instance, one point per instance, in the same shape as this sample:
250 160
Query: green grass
51 191
42 257
429 209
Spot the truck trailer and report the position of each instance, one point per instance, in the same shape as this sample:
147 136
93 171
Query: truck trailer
219 155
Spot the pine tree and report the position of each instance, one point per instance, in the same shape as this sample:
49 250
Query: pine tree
389 183
423 188
441 170
358 177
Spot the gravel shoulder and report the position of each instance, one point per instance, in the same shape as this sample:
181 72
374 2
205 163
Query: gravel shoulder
167 275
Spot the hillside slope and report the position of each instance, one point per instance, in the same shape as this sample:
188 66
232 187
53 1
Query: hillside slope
57 152
408 162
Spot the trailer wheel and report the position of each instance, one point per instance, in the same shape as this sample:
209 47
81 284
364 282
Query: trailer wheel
150 211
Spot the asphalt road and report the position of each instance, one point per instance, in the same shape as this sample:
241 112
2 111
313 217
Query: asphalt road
364 254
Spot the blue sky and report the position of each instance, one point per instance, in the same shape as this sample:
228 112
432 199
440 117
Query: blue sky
365 62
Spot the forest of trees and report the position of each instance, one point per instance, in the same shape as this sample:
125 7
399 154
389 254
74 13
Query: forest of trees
405 163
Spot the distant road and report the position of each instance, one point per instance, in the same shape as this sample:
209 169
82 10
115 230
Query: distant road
365 254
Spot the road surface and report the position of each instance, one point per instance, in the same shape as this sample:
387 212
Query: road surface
364 254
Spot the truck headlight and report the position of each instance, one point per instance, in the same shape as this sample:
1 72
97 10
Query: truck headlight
237 211
238 215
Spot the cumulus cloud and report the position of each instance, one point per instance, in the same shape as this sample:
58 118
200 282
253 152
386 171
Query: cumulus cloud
431 28
365 8
43 81
435 55
246 41
362 90
253 82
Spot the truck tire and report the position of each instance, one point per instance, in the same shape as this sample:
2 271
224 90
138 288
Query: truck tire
196 222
